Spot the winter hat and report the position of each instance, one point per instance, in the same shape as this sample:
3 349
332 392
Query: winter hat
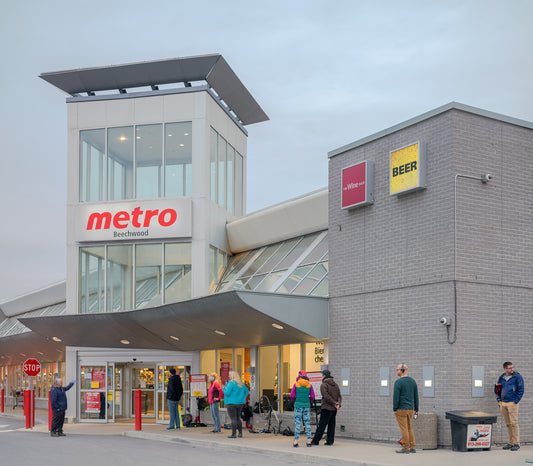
326 374
302 375
172 371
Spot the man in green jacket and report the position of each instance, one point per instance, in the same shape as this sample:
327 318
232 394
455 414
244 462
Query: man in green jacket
404 404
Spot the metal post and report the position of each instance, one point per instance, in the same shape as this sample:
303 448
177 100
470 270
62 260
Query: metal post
2 401
27 409
50 415
138 410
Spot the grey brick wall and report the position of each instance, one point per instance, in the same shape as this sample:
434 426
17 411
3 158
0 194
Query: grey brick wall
392 270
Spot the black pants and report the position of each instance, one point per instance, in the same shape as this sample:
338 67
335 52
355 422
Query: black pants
234 412
58 419
327 419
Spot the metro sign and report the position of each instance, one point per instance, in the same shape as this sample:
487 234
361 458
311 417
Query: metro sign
162 218
31 367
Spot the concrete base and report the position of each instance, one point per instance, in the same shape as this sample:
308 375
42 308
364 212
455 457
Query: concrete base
425 429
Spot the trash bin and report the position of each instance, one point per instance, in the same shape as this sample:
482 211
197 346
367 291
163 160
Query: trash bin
471 430
425 429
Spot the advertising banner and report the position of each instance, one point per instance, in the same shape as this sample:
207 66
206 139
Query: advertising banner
224 372
92 402
199 385
408 168
98 378
316 380
357 183
478 435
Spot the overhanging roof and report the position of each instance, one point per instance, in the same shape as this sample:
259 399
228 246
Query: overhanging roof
244 317
211 68
15 349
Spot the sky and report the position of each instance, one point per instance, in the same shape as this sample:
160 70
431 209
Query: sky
327 73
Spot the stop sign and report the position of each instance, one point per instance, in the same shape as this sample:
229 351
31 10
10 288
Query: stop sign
32 367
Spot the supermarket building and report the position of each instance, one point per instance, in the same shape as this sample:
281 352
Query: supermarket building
359 276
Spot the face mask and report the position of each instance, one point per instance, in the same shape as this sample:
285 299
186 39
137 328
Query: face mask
212 379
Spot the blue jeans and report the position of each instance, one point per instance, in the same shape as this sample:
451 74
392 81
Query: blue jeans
174 414
299 414
216 417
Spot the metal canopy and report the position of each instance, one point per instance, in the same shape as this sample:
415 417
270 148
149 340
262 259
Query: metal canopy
211 68
222 320
15 349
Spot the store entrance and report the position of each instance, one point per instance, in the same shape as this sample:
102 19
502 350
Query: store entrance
107 391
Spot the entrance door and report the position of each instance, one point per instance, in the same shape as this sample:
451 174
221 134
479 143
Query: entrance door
96 393
143 378
162 381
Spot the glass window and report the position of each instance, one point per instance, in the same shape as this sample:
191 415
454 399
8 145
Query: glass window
178 159
268 373
230 157
148 276
92 278
148 161
322 289
293 279
217 264
222 147
313 356
312 279
290 365
208 362
92 165
296 252
177 272
239 184
317 252
120 161
119 278
213 145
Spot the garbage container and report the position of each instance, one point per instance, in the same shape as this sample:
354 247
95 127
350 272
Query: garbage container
471 430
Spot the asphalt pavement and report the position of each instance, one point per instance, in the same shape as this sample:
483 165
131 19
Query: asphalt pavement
345 451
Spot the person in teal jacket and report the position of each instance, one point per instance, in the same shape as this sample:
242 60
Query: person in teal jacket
302 394
235 393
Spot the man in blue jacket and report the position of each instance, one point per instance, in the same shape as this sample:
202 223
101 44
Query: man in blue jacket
509 391
58 403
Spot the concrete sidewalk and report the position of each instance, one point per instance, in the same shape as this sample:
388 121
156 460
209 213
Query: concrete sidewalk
344 452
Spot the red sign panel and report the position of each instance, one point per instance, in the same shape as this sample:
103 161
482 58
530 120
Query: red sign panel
32 367
357 185
92 402
224 372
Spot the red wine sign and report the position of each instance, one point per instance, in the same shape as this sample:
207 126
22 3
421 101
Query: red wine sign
357 183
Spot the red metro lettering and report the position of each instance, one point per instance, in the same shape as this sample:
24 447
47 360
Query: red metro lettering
138 218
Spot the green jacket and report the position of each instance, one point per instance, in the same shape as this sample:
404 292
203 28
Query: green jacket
405 394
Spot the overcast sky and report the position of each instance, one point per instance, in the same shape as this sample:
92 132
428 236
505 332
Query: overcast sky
327 73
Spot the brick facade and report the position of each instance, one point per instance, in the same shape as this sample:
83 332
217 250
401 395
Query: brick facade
391 272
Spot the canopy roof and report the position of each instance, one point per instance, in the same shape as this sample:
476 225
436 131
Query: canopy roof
221 320
210 68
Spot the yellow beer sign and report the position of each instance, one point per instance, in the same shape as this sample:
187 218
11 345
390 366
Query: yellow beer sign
408 168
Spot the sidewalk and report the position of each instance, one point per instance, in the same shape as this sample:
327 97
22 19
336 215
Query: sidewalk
344 452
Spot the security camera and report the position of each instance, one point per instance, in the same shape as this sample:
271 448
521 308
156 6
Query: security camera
486 178
134 359
445 321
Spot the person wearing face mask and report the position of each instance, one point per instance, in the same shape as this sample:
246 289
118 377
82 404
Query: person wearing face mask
214 396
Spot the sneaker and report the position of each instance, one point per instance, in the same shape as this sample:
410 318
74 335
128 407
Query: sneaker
402 451
507 447
232 436
62 434
240 435
54 434
515 447
170 428
412 450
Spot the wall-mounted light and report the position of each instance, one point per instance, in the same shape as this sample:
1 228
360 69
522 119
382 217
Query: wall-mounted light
278 326
478 381
345 381
428 383
428 376
384 381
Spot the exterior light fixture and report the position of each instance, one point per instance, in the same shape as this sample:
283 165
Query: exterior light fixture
278 326
174 338
478 383
219 332
428 383
56 339
125 342
384 383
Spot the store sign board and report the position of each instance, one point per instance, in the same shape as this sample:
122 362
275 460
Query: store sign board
133 220
315 378
357 182
408 168
92 402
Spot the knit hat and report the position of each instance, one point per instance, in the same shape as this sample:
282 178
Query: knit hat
326 374
302 375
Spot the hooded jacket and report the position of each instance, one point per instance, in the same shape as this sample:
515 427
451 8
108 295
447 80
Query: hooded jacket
512 389
331 394
302 393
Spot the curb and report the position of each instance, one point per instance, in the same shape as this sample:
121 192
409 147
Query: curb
310 459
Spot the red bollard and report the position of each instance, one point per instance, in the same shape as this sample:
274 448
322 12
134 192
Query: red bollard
138 410
27 408
50 415
33 409
2 401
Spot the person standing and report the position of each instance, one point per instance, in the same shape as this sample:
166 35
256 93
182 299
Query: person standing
302 395
174 393
509 391
214 395
331 403
58 403
404 405
235 393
